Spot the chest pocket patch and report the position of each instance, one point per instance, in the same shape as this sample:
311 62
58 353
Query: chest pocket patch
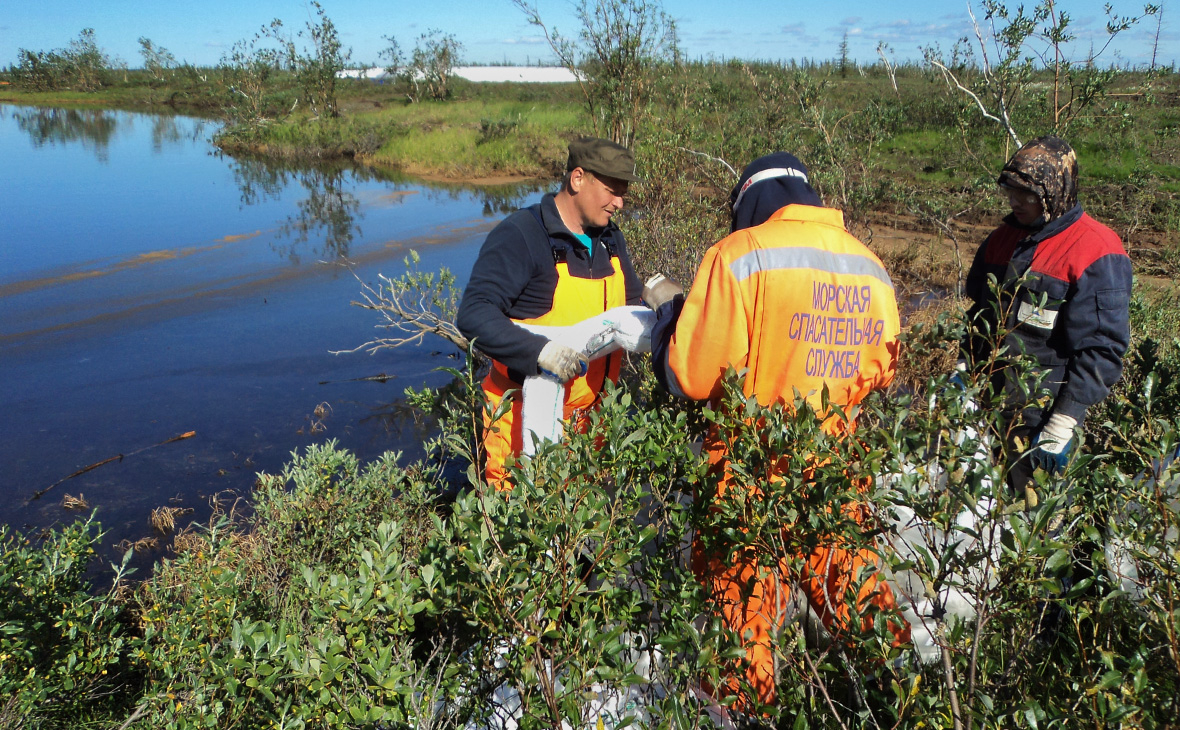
1040 302
1035 316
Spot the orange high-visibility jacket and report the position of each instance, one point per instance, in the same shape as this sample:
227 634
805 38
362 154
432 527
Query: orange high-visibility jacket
799 303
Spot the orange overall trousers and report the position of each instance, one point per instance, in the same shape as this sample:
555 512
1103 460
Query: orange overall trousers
756 601
574 299
801 305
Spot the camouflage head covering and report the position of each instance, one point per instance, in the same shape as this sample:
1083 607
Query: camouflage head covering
1048 167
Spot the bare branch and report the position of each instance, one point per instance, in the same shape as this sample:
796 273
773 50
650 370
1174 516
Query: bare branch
729 167
890 68
431 314
560 48
950 78
948 673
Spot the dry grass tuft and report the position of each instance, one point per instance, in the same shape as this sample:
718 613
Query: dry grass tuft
163 519
188 542
142 545
77 503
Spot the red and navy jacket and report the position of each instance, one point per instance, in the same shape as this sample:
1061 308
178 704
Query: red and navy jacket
1063 294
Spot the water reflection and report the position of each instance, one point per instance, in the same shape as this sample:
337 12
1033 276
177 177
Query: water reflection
496 199
504 199
167 131
94 128
257 180
327 215
146 300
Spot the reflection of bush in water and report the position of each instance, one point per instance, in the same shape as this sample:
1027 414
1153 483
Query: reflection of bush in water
330 211
259 180
507 198
329 208
93 128
496 199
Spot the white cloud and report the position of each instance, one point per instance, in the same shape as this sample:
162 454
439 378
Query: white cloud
717 34
904 32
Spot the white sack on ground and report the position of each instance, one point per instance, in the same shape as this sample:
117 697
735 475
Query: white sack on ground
603 707
973 543
621 328
1122 551
973 540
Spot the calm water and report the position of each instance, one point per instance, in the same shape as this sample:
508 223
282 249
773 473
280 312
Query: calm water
150 286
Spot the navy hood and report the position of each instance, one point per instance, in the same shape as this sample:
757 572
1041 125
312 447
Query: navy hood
768 184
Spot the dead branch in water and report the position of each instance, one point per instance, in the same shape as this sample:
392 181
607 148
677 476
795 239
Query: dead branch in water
117 457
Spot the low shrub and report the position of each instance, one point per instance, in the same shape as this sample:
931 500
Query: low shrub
65 646
357 596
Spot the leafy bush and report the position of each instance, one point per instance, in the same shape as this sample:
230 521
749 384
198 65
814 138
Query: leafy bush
302 614
1151 374
81 67
63 650
355 596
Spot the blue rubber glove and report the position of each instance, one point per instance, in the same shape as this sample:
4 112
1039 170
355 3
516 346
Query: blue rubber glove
956 378
1054 444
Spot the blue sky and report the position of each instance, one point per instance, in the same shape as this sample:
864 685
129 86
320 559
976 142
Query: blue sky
494 31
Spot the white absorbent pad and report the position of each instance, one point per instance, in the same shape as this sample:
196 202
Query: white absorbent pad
621 328
971 546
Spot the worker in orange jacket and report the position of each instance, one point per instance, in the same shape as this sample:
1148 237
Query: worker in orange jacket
799 304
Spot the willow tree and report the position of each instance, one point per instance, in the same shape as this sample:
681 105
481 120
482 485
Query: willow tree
1015 47
616 59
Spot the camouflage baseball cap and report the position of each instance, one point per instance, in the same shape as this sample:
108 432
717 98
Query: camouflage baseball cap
603 157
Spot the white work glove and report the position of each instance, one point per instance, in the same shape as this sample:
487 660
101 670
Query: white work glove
632 327
563 363
659 290
1054 443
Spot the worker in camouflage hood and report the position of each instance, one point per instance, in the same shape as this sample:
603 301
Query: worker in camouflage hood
798 303
1064 285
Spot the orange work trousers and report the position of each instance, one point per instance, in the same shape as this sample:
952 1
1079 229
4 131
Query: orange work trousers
755 600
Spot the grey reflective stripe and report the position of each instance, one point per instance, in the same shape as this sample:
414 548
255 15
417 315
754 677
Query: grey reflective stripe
793 257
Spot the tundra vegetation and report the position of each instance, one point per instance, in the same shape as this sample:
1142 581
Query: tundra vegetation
395 594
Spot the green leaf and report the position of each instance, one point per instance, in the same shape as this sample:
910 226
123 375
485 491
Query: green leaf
1058 561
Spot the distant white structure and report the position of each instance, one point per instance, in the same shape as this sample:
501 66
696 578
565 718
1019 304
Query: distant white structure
375 73
527 74
491 74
